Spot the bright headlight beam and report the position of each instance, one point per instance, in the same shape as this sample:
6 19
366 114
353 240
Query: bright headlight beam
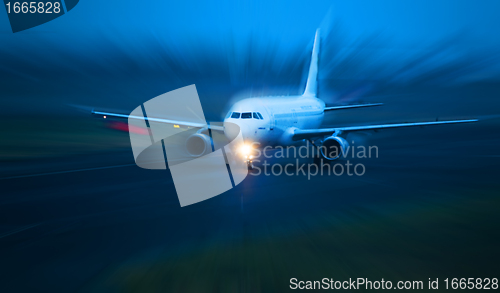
245 150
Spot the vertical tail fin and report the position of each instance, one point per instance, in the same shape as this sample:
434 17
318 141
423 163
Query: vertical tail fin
312 78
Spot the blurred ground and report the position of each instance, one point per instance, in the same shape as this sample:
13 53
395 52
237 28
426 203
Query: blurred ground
86 219
77 215
45 137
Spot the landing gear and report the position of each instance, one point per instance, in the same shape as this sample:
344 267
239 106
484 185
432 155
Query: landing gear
250 164
318 160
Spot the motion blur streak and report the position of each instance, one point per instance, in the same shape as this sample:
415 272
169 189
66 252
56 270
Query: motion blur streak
128 128
127 57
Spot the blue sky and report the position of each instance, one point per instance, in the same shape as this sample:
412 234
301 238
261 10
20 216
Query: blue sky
404 21
101 49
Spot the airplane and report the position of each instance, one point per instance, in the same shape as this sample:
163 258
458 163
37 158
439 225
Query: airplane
283 121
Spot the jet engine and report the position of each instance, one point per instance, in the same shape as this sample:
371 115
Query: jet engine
198 144
333 147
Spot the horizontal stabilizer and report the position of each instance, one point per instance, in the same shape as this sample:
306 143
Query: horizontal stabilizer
351 106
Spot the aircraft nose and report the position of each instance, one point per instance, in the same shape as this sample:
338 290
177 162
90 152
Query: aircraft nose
232 129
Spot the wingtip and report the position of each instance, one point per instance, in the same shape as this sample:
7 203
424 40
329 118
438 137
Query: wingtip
372 104
467 120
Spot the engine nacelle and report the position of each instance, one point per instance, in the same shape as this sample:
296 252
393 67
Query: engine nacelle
333 147
286 138
198 144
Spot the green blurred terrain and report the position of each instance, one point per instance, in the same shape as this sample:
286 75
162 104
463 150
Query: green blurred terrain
405 241
42 137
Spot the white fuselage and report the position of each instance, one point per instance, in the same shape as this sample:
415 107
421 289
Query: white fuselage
280 117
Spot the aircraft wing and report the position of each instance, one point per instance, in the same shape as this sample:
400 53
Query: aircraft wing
309 133
161 120
351 106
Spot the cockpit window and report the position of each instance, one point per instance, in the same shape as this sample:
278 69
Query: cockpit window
228 114
256 115
235 115
246 115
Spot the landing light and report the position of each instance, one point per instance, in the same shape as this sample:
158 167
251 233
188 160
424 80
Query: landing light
245 150
176 126
104 117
